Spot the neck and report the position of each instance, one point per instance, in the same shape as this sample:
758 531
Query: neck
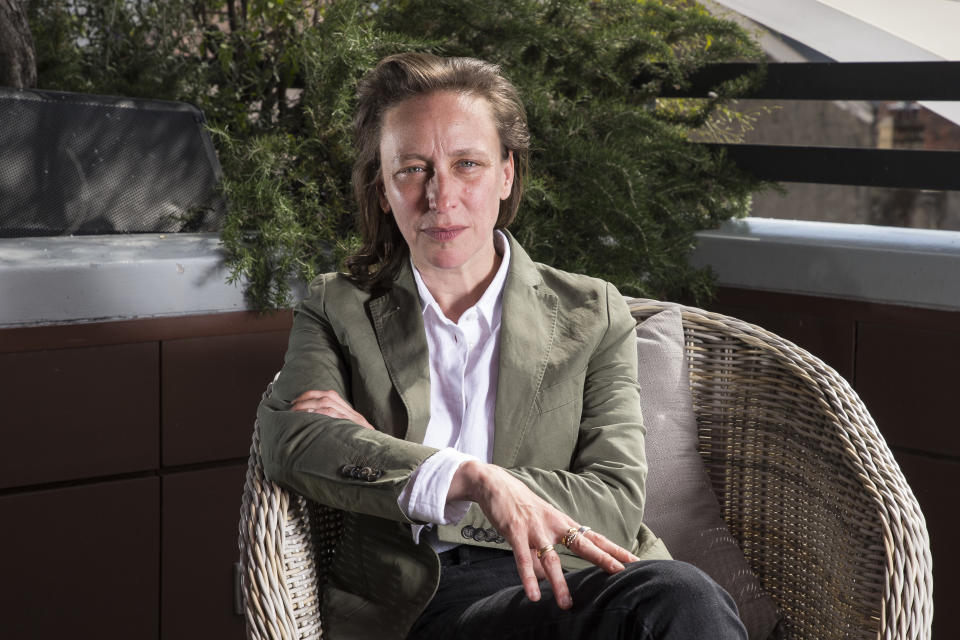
456 291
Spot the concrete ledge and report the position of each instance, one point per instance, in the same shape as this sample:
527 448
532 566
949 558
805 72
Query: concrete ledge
60 280
912 267
95 278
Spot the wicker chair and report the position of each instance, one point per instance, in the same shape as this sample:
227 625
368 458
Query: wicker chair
805 481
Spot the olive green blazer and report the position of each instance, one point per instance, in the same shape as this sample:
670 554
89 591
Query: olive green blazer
567 423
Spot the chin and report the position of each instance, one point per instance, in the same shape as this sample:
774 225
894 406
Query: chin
447 262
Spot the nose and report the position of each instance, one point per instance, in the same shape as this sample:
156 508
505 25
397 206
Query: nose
440 196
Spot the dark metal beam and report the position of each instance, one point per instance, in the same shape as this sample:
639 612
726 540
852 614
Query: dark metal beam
897 168
833 81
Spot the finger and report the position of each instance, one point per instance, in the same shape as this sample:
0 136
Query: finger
320 406
589 551
322 400
531 586
612 548
537 566
332 406
317 394
561 592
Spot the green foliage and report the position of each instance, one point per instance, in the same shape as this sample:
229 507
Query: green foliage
114 47
617 189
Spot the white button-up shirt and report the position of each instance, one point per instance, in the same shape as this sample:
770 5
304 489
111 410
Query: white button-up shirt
464 366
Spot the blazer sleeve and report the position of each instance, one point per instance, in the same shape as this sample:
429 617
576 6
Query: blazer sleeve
332 461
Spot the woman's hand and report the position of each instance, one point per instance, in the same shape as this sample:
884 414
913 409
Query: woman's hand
328 403
530 523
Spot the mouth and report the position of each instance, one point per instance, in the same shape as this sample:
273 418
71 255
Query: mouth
443 234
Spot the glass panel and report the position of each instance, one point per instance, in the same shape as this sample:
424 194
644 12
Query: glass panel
915 208
879 125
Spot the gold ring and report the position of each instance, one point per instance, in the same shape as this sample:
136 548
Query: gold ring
573 534
546 549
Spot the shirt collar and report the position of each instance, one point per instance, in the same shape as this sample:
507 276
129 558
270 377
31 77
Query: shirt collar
488 306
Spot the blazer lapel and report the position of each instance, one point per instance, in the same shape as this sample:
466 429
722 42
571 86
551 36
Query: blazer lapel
398 323
527 329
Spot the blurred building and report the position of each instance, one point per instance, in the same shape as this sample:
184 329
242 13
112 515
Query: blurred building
816 31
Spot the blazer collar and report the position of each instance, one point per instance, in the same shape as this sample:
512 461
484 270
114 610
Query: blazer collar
398 322
527 331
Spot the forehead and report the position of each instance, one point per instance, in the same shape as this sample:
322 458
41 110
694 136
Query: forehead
426 118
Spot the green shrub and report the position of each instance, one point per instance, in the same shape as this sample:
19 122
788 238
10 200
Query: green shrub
616 190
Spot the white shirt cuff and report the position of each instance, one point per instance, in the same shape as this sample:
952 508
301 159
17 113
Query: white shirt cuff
425 497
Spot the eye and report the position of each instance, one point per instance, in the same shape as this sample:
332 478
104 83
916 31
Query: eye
411 171
468 164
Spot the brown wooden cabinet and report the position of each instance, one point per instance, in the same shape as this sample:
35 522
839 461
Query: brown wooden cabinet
199 533
79 413
908 375
121 474
81 561
211 388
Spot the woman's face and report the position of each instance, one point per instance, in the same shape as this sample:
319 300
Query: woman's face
444 175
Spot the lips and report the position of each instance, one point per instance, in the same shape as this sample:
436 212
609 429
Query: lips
443 234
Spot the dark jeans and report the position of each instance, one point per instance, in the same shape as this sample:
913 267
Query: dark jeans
480 596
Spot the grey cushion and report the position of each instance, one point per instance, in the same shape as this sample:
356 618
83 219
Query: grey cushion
681 507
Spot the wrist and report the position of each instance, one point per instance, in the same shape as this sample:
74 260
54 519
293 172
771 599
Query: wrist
468 481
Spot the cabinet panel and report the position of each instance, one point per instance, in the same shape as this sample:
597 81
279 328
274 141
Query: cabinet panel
81 562
907 377
201 511
211 388
77 413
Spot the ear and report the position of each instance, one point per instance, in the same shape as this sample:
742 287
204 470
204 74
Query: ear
382 195
507 176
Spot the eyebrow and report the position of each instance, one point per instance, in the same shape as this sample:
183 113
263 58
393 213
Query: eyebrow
457 153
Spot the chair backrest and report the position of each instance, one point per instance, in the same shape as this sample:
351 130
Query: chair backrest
806 484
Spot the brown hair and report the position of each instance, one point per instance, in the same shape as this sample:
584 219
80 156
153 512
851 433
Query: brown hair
395 79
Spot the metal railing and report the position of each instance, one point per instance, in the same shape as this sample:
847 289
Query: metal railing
868 81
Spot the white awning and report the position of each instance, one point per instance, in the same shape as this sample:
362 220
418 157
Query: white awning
866 30
931 25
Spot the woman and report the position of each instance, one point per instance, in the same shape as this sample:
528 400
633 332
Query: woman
472 412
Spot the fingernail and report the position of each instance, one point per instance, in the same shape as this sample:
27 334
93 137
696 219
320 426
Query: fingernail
566 603
616 566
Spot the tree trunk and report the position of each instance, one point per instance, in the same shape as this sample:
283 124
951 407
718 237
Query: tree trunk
18 60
